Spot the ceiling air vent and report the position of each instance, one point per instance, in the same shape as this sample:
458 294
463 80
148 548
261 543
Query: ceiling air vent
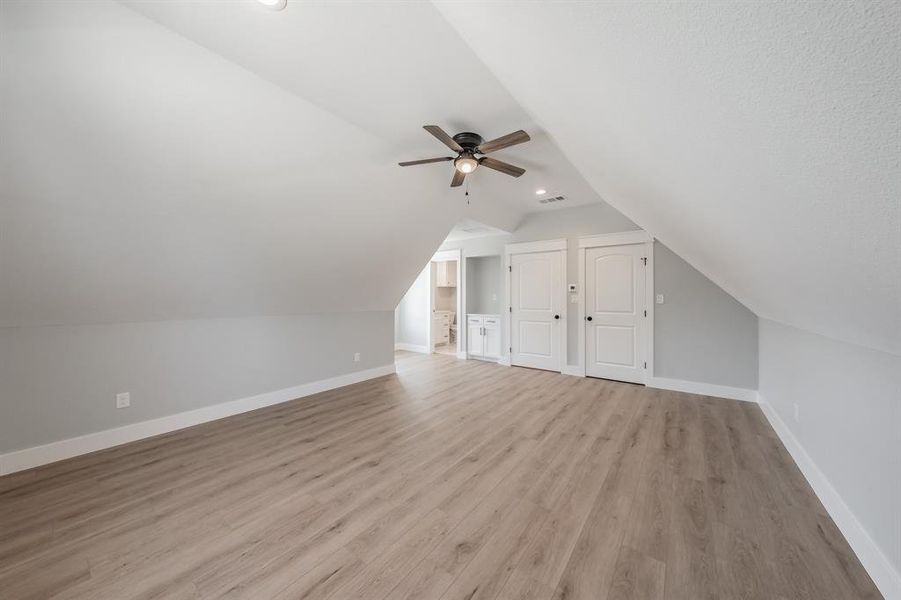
554 199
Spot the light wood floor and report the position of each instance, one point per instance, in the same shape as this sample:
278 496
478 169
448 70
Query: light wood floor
451 480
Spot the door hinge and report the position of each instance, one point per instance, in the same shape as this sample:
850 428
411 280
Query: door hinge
644 260
645 313
511 308
510 268
645 365
511 349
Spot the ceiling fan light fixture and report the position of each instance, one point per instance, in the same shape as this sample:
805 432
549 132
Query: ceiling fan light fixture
274 4
466 145
541 192
466 163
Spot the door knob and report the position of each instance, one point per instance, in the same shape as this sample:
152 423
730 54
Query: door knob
556 316
588 318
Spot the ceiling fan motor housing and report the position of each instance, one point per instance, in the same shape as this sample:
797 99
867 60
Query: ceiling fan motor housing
468 140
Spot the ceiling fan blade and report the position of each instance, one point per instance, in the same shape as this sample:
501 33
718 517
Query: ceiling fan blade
443 137
499 165
425 161
505 141
457 181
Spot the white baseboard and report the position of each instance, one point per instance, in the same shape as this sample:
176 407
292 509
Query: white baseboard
412 348
884 575
483 358
504 361
573 370
36 456
705 389
462 355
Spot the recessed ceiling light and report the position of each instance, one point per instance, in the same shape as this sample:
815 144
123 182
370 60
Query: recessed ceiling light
274 4
541 192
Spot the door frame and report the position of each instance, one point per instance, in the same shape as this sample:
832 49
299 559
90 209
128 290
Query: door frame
558 245
626 238
442 256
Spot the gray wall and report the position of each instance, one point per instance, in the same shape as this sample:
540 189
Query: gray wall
849 400
697 324
60 382
412 315
484 284
700 332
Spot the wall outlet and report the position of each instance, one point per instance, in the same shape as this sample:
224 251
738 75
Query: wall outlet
356 357
123 400
659 298
494 297
797 413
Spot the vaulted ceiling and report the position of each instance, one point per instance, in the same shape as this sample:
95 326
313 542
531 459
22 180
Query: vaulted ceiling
761 141
200 159
185 159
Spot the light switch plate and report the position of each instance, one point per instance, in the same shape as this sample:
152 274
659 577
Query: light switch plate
123 400
659 298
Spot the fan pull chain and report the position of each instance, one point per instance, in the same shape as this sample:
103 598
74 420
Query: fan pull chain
467 192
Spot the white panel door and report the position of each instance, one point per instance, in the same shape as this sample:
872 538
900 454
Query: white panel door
536 296
615 317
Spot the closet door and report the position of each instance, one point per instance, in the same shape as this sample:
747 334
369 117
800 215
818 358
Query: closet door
615 315
537 297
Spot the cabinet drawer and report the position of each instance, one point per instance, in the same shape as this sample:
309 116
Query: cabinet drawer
474 320
490 321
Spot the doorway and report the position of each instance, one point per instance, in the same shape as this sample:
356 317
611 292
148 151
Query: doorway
425 319
445 334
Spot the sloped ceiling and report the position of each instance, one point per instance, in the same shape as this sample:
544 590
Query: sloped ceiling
190 159
760 141
178 160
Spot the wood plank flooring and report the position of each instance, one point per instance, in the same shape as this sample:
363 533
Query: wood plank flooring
452 480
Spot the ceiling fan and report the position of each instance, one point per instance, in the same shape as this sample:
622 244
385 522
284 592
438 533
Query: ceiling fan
467 145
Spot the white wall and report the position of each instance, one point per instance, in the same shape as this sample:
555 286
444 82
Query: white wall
60 382
705 336
849 401
413 314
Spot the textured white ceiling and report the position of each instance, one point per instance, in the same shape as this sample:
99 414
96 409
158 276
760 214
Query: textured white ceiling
468 229
760 141
202 159
388 68
197 158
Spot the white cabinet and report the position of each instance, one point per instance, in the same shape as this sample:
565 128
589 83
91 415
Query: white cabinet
441 322
446 273
492 334
475 343
483 339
